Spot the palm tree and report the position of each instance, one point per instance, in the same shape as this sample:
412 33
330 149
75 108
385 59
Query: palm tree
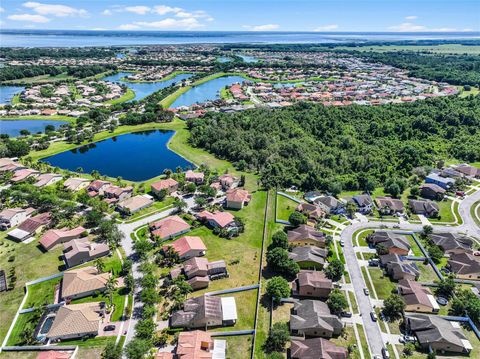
79 170
95 174
110 287
100 265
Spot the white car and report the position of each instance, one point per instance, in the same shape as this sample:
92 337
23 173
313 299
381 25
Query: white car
342 243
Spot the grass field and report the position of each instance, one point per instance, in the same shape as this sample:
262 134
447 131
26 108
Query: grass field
237 346
285 206
475 212
361 236
446 214
41 293
441 49
127 96
118 301
22 320
157 206
348 339
245 302
354 302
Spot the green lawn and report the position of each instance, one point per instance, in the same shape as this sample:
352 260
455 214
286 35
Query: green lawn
445 214
361 236
238 346
97 342
427 274
440 49
41 293
246 302
475 212
285 206
157 206
127 96
30 263
383 285
415 248
281 313
22 320
118 302
354 302
348 339
363 341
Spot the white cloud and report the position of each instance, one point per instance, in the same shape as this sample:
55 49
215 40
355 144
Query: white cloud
266 27
171 23
29 17
106 12
411 17
52 9
164 9
98 29
2 9
128 27
139 10
329 27
407 27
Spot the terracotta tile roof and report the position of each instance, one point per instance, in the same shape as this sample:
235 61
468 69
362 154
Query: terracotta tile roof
74 182
54 236
315 348
196 344
238 195
187 243
33 223
222 219
164 184
83 280
76 319
53 354
169 226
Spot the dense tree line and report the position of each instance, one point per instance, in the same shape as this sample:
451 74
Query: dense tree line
91 70
19 72
59 53
314 146
454 69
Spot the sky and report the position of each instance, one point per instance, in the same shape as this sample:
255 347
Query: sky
244 15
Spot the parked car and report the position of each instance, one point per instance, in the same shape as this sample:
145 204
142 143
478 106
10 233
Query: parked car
373 262
373 316
385 353
337 285
109 328
342 243
460 194
396 226
366 291
346 314
409 338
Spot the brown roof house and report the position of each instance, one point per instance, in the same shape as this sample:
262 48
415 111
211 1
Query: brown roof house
237 198
330 204
56 236
114 194
313 318
168 185
465 266
22 174
47 179
432 191
452 243
399 268
198 344
205 311
97 187
226 181
30 227
389 206
134 204
199 271
169 227
305 235
424 207
438 334
394 243
417 297
312 284
468 170
81 250
217 219
83 282
188 247
316 348
11 217
195 177
76 184
312 211
77 321
309 257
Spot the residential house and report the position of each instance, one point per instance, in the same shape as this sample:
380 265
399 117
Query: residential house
169 227
24 173
305 235
205 311
198 344
316 348
217 219
194 177
397 267
56 236
426 208
313 318
237 198
312 196
308 257
79 251
77 321
389 206
394 243
330 205
97 188
451 172
226 181
465 266
468 170
83 282
47 179
417 297
364 203
432 191
168 185
11 217
134 204
30 227
452 243
53 354
76 184
437 333
188 247
114 194
312 211
312 284
199 271
444 182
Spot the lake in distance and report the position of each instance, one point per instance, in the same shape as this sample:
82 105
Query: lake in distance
207 91
136 156
7 93
13 127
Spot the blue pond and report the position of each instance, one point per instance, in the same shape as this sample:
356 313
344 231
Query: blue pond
207 91
13 127
224 59
248 59
143 89
135 156
7 92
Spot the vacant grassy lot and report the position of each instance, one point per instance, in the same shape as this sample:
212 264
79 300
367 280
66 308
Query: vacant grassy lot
30 263
383 285
238 347
41 293
285 206
246 302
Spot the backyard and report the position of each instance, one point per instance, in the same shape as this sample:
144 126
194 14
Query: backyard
285 206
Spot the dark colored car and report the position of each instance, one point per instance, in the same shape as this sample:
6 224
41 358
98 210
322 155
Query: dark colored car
109 328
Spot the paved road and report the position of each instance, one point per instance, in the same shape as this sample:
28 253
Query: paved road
372 329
